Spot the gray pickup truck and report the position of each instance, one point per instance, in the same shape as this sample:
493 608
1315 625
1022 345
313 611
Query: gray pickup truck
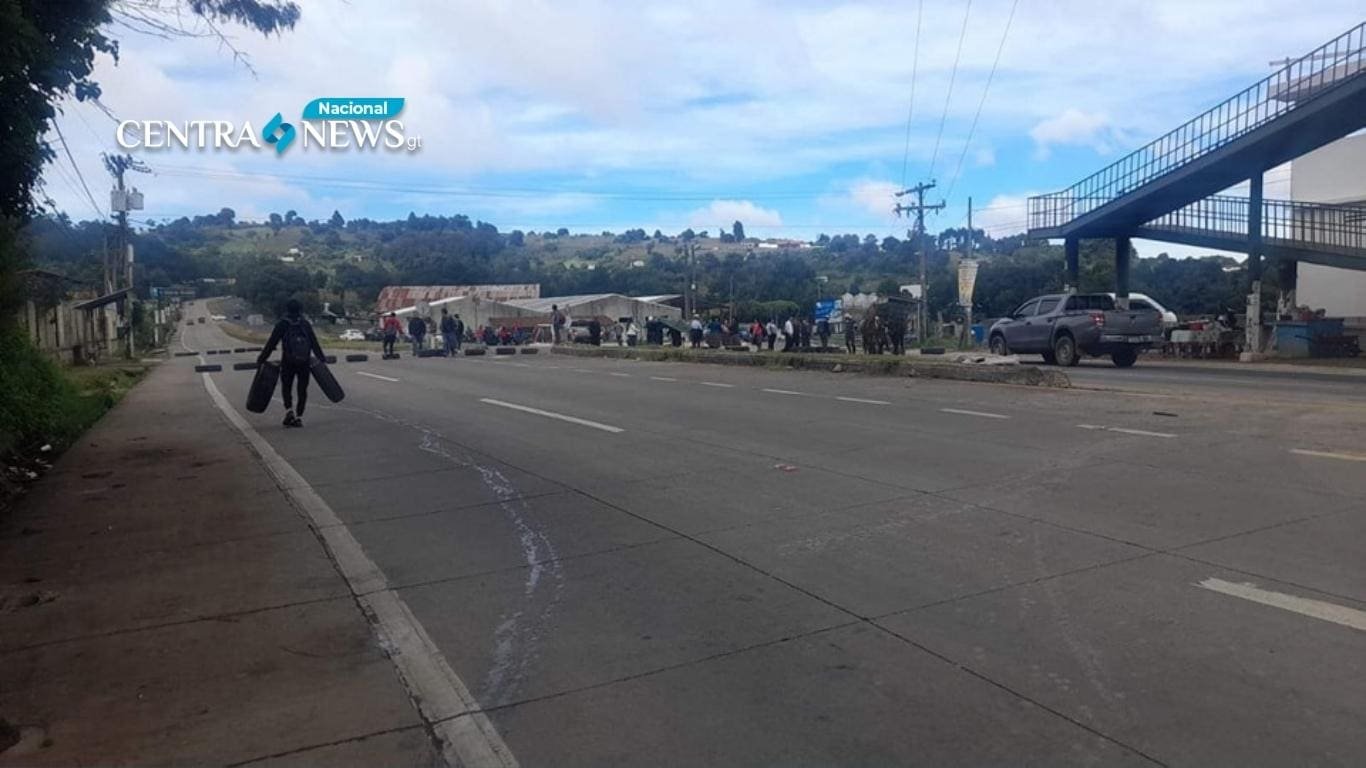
1063 327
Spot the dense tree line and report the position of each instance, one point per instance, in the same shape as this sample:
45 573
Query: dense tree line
347 262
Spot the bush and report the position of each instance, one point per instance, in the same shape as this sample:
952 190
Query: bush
38 404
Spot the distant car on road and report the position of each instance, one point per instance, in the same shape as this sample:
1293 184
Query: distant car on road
1063 327
201 321
351 334
218 317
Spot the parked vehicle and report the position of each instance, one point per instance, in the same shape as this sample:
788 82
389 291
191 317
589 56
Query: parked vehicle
351 334
1063 327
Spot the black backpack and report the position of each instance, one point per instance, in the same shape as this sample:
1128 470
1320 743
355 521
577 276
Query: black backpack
297 346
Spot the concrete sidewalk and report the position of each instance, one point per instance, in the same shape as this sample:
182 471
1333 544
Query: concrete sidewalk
161 601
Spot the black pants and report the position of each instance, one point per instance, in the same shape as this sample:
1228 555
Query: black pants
849 342
288 375
389 340
771 339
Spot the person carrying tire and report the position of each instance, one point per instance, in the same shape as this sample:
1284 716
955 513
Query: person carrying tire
298 344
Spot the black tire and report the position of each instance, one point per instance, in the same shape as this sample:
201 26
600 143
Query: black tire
1049 357
1065 350
998 345
1124 358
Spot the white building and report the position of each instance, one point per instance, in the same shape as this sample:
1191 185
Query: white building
1334 174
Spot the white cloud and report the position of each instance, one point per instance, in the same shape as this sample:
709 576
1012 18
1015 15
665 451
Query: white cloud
984 157
874 197
1073 127
722 213
1003 215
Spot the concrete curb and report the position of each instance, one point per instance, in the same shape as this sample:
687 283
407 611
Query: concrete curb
1026 375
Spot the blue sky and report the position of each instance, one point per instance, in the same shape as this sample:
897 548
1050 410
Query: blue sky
790 116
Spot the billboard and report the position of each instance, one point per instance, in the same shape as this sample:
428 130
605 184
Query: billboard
830 309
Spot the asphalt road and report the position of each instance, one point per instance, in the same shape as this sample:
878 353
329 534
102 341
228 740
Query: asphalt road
672 564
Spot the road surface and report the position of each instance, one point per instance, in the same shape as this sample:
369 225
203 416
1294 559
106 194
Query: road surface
630 563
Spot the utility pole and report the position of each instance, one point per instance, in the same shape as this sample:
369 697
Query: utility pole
919 208
122 201
967 310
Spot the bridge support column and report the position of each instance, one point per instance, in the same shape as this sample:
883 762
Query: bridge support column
1122 251
1072 246
1252 347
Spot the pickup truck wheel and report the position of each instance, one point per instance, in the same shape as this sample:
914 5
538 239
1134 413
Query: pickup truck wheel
1065 350
1124 358
998 345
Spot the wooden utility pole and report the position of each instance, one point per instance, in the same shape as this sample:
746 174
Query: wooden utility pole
918 235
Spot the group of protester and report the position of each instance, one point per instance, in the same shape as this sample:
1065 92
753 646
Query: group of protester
453 331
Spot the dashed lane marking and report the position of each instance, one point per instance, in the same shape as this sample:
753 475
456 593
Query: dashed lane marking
1126 431
863 400
782 392
716 384
376 376
552 415
1328 455
982 414
1318 609
662 378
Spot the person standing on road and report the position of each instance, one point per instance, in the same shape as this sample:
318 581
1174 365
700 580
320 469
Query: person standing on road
756 334
850 334
695 332
299 345
823 330
417 331
391 328
771 332
789 331
459 331
557 322
448 333
632 333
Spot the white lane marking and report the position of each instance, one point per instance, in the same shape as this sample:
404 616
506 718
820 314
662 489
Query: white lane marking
580 370
862 400
551 367
662 378
624 375
1318 609
1123 430
552 415
782 392
1328 455
716 384
468 737
983 414
375 376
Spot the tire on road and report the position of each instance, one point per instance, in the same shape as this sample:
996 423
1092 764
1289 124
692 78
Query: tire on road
1124 357
529 350
1065 350
504 350
360 358
245 366
212 368
474 351
997 345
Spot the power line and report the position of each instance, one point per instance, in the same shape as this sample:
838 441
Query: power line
987 89
76 168
910 112
953 75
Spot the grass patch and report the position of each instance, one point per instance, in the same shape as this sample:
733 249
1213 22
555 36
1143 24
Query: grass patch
43 403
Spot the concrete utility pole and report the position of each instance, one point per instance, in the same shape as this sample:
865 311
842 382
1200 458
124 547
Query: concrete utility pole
121 201
919 208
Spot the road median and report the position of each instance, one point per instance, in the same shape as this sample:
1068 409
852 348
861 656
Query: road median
946 368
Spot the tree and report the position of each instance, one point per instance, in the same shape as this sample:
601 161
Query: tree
226 217
737 231
337 221
888 287
276 222
562 232
516 239
687 235
292 218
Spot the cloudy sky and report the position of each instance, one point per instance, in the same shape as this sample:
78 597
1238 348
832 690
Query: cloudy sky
790 116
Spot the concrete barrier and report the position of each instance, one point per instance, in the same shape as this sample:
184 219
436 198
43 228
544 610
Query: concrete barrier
212 368
881 365
357 358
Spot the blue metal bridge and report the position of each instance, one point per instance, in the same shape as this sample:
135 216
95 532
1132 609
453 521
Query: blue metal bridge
1168 190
